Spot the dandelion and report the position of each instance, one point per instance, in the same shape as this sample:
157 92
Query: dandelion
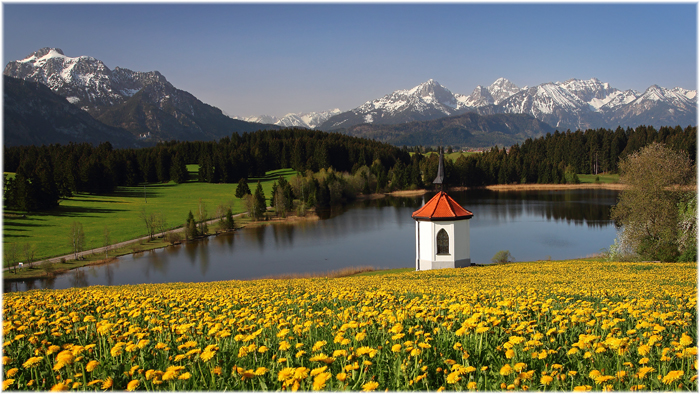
320 381
11 372
107 384
471 385
7 383
671 377
184 376
60 387
285 374
341 376
132 385
546 380
506 370
31 362
370 386
642 372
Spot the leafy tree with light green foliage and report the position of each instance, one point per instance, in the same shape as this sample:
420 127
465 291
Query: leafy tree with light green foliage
648 208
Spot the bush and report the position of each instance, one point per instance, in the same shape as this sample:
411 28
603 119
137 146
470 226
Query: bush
502 256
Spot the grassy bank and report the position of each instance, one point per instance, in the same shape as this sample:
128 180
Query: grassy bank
120 213
602 178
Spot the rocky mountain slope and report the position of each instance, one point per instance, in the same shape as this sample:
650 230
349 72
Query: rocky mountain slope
144 103
468 129
34 115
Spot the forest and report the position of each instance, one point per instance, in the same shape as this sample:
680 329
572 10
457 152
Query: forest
46 174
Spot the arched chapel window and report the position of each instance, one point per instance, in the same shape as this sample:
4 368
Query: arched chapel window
443 242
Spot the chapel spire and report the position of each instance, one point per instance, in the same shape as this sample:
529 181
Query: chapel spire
439 179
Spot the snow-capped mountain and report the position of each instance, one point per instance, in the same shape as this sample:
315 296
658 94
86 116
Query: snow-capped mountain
427 101
144 103
309 120
83 80
573 104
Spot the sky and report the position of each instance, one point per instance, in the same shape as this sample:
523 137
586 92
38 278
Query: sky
274 59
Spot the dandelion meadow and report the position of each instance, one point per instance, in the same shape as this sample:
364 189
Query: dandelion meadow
540 326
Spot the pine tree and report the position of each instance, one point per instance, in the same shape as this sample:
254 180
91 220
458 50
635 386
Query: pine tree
260 206
242 188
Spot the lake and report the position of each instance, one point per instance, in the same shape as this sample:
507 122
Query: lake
532 225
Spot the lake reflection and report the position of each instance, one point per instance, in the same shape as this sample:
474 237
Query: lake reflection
532 225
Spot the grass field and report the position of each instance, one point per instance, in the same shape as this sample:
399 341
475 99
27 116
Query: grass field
120 211
452 156
531 326
603 178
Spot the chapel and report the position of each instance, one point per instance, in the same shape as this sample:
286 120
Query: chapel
442 230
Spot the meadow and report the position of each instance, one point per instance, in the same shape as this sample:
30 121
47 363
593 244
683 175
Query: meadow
536 326
120 212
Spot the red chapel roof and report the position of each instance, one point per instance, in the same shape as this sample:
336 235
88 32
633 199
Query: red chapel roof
441 207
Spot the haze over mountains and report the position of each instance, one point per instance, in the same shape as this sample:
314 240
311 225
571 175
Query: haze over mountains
134 106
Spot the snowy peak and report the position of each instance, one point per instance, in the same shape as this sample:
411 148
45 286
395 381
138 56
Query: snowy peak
309 120
83 80
501 89
480 97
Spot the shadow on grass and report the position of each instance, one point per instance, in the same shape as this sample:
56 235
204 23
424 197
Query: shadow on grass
77 211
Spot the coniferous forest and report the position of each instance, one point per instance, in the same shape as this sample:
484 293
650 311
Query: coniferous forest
44 175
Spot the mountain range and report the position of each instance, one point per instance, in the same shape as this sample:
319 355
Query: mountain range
573 104
309 120
143 107
143 103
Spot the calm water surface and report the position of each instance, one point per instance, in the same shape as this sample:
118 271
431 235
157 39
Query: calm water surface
532 225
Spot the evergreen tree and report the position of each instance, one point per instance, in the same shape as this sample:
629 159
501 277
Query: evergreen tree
242 188
259 199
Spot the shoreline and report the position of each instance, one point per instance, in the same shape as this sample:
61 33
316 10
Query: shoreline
159 243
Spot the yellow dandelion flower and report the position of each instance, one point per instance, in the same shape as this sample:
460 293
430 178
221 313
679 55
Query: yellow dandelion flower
261 371
506 370
672 376
184 376
453 377
583 388
11 372
7 383
60 387
285 374
370 386
341 376
471 385
94 382
32 361
320 381
131 386
546 380
107 384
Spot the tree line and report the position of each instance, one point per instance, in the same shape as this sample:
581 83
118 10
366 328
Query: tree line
44 175
558 157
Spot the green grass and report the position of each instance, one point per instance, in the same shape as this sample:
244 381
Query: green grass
603 178
452 156
119 211
385 272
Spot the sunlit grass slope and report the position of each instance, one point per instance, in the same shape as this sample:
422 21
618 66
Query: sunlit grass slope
550 326
120 212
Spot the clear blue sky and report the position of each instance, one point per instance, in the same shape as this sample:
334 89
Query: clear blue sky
252 59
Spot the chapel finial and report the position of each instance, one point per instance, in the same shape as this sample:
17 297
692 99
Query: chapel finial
439 179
